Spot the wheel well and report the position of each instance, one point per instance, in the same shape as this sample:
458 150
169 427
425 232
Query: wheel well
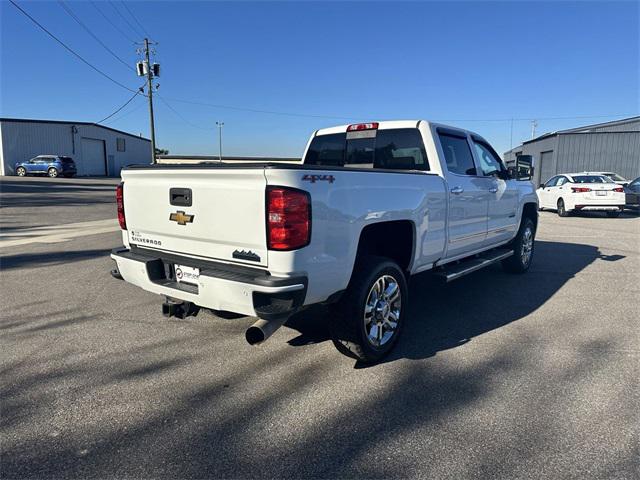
530 210
394 240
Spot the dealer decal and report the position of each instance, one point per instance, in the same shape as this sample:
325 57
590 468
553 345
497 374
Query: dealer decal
318 178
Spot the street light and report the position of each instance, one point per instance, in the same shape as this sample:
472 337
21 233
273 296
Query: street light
220 125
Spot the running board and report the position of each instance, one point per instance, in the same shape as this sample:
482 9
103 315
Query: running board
454 271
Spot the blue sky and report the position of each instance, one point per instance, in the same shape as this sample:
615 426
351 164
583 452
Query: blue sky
452 62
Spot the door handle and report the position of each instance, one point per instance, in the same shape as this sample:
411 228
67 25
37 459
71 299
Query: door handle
457 190
493 190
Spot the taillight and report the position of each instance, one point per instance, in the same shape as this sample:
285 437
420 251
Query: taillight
580 189
288 218
618 189
120 202
362 126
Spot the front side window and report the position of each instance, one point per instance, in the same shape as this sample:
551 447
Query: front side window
489 163
457 154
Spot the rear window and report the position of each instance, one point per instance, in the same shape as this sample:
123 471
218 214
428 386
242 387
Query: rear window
591 179
66 159
396 149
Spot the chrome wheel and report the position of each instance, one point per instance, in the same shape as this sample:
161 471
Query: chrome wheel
527 246
53 173
382 310
21 172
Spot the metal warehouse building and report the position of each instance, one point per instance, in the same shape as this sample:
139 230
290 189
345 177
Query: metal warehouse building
612 146
96 150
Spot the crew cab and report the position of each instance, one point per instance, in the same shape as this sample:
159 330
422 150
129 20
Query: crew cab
581 192
368 206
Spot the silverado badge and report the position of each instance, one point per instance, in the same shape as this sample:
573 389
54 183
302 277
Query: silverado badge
181 217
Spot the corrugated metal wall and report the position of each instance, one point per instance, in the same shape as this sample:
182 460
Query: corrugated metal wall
24 140
615 151
607 148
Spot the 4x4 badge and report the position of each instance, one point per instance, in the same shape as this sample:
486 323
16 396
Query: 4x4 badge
181 217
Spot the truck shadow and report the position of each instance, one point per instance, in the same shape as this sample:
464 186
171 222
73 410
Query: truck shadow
442 316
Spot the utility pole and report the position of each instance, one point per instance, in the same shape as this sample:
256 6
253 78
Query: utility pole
511 136
220 125
534 124
150 95
148 70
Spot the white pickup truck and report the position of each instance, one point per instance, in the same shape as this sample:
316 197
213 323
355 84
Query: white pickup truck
369 205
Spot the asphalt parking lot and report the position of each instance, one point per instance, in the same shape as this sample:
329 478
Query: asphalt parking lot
496 375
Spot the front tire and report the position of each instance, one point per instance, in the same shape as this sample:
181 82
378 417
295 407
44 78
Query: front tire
52 172
562 211
523 246
367 321
21 172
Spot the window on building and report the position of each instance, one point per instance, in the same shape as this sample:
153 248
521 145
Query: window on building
120 144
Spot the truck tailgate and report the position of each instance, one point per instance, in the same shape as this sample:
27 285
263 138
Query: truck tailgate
225 219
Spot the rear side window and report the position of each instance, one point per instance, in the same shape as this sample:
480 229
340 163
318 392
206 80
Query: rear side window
457 154
397 148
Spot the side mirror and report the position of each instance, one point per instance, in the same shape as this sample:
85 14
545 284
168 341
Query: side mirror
524 167
542 185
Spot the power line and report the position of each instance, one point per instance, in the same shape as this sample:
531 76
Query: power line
254 110
179 115
125 114
135 18
73 15
125 104
294 114
112 24
133 29
70 49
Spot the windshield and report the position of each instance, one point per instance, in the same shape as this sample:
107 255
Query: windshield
592 179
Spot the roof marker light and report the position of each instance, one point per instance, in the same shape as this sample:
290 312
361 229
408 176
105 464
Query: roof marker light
362 126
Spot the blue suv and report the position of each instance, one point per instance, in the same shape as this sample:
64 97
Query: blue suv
51 165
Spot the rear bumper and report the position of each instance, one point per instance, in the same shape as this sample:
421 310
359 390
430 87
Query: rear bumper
221 286
600 208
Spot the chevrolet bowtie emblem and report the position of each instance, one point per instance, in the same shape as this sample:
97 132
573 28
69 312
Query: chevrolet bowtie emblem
181 217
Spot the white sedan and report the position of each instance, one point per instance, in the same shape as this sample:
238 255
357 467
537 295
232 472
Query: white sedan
575 192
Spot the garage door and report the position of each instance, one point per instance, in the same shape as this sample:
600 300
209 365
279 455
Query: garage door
547 169
92 161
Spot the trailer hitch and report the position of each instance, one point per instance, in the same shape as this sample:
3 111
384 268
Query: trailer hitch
179 309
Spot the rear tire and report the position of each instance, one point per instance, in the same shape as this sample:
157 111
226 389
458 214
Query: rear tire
367 321
523 246
21 172
52 172
562 211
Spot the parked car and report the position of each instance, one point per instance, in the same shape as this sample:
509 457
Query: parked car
51 165
576 192
369 205
619 179
632 194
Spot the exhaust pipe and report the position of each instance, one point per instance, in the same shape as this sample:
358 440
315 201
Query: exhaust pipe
263 329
